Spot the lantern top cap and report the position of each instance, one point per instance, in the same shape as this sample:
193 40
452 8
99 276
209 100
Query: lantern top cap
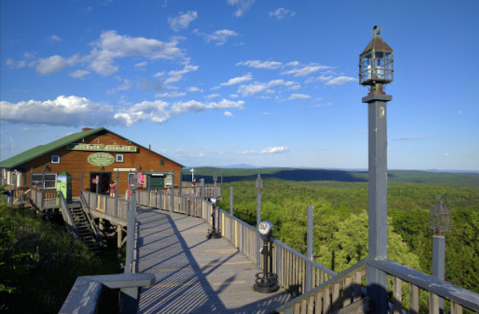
377 43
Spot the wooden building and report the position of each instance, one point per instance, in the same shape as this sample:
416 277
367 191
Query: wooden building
99 154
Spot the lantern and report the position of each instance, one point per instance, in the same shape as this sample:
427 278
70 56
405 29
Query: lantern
259 184
376 63
440 218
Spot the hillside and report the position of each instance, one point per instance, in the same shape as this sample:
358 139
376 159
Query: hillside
294 174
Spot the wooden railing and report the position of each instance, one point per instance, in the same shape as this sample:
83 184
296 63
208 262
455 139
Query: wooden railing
67 217
345 289
44 199
86 208
114 207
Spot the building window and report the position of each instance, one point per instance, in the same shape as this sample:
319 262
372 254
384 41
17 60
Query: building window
162 162
119 157
169 180
50 180
55 159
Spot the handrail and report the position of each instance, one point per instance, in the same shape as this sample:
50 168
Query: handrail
84 295
67 217
338 286
88 214
440 288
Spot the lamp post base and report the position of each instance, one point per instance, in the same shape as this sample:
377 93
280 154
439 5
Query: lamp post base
266 285
213 233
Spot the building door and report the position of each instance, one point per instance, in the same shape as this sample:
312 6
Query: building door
104 180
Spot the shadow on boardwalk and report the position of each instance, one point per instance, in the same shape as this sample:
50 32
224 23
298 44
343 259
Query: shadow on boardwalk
193 274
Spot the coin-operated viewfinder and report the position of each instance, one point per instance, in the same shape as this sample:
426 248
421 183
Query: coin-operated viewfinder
214 232
266 281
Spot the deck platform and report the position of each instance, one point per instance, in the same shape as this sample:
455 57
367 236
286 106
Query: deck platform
194 274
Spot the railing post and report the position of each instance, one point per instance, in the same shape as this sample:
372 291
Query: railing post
438 257
203 188
231 211
116 191
258 220
149 191
97 190
172 209
279 264
81 180
221 188
181 183
377 283
31 178
129 296
309 249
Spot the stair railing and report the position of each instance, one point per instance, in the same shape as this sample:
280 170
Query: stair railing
67 217
91 220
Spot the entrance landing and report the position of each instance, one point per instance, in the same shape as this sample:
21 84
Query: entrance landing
194 274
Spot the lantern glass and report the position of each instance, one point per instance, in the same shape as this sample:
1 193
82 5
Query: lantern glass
440 219
215 177
259 183
376 62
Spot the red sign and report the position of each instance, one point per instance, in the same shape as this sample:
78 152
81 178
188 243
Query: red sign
95 180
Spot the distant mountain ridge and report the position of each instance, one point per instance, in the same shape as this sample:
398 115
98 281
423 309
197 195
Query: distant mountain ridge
308 174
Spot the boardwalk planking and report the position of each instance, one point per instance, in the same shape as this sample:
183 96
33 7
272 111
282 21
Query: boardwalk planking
194 274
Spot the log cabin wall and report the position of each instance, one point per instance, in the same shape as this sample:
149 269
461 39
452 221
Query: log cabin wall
73 161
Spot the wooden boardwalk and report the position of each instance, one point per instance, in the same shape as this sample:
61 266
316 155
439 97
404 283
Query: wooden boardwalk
194 274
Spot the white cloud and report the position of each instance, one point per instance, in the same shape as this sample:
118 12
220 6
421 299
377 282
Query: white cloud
220 37
269 65
158 74
281 13
194 89
172 94
111 46
445 155
54 38
21 64
182 21
299 96
238 80
55 64
10 63
459 112
242 5
195 106
265 113
33 129
306 70
295 87
156 111
340 80
246 152
212 96
175 76
273 150
68 111
234 96
253 89
292 64
141 64
270 91
126 85
228 114
160 111
79 74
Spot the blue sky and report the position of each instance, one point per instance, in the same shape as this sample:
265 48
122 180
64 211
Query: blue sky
261 82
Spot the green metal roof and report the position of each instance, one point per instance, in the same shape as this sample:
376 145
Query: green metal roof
40 150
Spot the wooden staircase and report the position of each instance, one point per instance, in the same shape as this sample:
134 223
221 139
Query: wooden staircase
85 229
